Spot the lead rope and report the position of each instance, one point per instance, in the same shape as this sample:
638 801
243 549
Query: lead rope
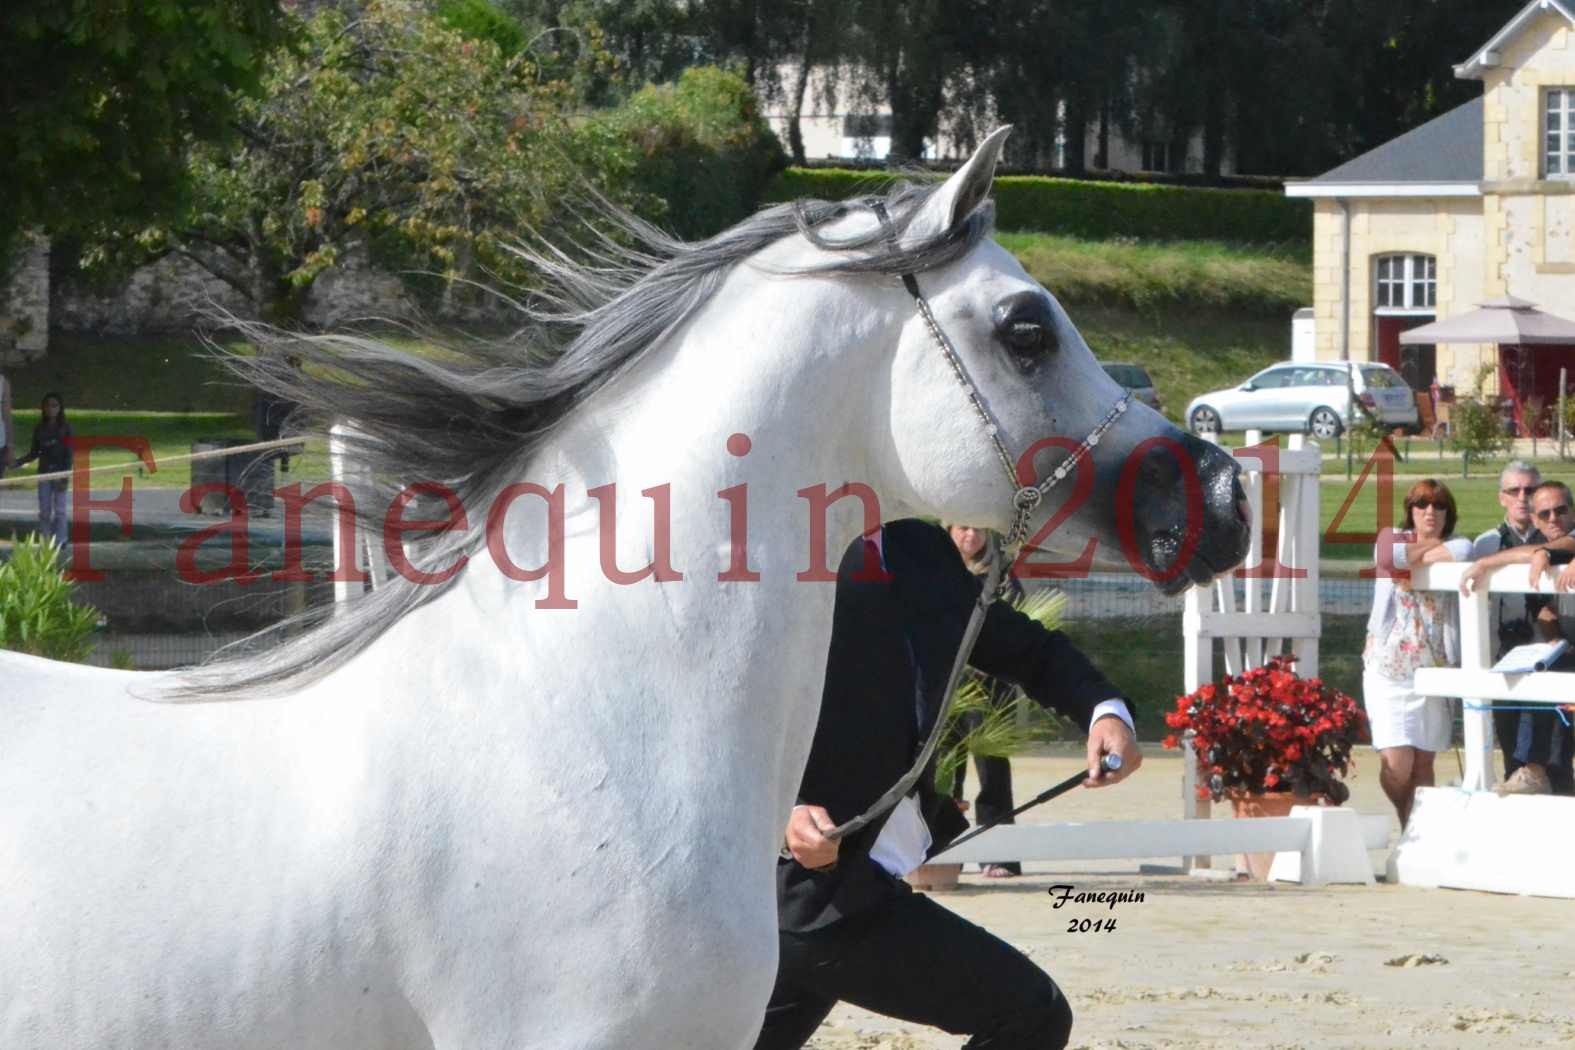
898 791
1024 499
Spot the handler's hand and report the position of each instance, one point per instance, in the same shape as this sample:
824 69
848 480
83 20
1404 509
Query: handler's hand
1110 736
806 837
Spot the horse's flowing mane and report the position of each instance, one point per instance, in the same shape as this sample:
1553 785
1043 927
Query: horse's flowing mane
467 416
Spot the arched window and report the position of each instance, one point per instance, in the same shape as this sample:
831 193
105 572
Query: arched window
1405 283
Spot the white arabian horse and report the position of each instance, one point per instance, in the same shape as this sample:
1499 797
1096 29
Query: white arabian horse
453 818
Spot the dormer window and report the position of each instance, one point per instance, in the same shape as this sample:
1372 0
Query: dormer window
1558 134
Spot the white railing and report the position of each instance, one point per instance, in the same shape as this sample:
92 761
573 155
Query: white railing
1251 616
1254 617
1473 682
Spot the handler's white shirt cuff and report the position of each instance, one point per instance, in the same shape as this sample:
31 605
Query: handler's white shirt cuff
1113 707
905 840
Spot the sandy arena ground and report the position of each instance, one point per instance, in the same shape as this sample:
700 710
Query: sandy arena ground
1210 965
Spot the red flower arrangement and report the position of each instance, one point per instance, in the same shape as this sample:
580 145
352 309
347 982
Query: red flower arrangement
1270 730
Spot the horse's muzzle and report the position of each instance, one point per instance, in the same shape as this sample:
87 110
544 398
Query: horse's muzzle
1189 533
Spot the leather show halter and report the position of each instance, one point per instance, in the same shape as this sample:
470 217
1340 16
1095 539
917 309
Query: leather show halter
1025 498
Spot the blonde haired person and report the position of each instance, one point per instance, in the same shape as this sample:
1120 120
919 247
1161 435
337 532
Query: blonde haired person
993 804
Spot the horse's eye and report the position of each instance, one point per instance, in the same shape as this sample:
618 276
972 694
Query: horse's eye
1025 337
1025 324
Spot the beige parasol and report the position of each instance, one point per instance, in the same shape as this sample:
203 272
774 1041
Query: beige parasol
1506 320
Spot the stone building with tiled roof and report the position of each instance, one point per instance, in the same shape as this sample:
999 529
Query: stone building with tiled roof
1477 203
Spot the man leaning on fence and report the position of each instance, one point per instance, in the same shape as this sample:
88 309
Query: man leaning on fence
1511 616
1541 743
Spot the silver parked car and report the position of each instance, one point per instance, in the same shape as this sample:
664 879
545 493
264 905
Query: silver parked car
1307 396
1134 378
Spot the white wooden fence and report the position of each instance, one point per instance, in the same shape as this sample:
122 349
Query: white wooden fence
1472 682
366 550
1269 609
1467 837
1252 617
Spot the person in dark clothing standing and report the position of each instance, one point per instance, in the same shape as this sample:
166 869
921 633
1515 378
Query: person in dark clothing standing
7 438
993 803
849 928
270 413
52 449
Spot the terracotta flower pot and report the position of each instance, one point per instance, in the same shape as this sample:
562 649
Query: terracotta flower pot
1265 804
935 877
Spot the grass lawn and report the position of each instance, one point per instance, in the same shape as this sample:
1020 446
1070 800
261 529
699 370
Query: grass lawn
169 434
1185 352
1475 499
1167 275
170 374
1197 315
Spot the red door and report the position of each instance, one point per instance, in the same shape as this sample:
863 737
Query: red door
1526 372
1417 364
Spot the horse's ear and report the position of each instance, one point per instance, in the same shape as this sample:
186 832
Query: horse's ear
962 193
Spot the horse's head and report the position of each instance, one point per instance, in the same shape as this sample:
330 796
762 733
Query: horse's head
997 382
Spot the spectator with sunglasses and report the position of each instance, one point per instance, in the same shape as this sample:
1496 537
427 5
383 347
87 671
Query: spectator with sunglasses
1543 744
1407 630
1512 615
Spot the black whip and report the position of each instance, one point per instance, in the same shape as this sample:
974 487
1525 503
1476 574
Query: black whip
1109 764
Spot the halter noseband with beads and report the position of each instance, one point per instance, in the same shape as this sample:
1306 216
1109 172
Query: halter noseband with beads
1025 498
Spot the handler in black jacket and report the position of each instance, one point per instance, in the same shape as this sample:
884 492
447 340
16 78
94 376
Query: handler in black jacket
850 928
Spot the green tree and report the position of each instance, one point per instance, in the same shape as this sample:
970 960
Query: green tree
391 131
908 52
777 45
647 41
100 98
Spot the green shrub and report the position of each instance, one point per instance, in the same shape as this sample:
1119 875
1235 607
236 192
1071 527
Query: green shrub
1097 210
696 155
37 614
1475 426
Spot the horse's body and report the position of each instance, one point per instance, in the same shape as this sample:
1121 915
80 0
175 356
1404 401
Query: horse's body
498 825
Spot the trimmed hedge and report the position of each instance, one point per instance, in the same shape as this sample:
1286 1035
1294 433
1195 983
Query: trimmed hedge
1096 211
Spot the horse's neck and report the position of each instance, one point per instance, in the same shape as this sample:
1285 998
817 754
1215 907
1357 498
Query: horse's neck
704 665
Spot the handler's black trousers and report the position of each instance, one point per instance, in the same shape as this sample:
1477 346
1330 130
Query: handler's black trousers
912 959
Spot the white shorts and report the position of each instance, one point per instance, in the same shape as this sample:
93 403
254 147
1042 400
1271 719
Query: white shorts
1400 718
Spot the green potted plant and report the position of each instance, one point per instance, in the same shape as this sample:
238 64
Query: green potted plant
37 613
